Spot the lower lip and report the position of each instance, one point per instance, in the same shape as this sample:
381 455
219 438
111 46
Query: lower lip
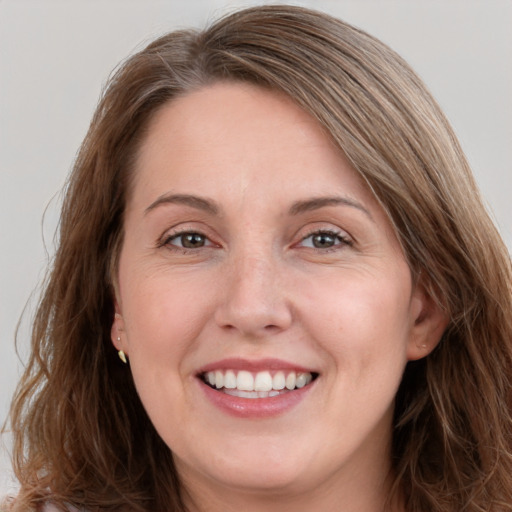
255 407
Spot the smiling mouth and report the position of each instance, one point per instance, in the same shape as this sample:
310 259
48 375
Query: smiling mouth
264 384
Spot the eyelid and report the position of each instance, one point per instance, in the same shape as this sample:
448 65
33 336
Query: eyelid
177 236
326 229
344 239
176 232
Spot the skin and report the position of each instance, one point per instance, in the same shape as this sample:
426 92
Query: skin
259 288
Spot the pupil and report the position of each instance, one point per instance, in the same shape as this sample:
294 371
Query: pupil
323 240
192 240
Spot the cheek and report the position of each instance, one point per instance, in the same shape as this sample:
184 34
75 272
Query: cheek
163 315
359 318
163 319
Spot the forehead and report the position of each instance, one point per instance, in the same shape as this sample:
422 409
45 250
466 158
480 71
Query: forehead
238 133
224 114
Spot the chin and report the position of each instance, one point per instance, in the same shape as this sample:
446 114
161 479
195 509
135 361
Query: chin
263 469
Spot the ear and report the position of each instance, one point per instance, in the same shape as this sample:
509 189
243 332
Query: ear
117 332
428 322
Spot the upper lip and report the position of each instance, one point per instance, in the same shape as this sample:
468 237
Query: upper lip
254 365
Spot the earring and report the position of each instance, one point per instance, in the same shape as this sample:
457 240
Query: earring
121 354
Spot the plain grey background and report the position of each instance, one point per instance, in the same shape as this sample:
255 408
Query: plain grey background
55 55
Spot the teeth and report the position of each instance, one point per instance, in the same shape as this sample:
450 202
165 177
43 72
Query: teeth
259 385
230 379
279 381
251 394
245 381
263 381
210 377
290 380
302 380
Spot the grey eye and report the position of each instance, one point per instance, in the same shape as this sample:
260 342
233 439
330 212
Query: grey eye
323 240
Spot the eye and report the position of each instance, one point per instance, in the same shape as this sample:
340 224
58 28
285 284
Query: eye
325 240
188 240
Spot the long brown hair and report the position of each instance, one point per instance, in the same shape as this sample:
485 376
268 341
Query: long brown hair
82 436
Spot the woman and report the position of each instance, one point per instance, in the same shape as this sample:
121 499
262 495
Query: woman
273 224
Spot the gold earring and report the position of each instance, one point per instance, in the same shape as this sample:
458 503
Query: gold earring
122 356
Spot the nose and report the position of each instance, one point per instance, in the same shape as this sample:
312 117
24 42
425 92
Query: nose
254 302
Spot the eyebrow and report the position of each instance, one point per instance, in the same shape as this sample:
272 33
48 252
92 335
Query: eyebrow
297 208
199 203
316 203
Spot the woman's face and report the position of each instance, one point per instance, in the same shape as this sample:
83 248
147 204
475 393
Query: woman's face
254 261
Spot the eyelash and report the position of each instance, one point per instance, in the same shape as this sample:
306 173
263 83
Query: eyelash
167 239
339 236
344 241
